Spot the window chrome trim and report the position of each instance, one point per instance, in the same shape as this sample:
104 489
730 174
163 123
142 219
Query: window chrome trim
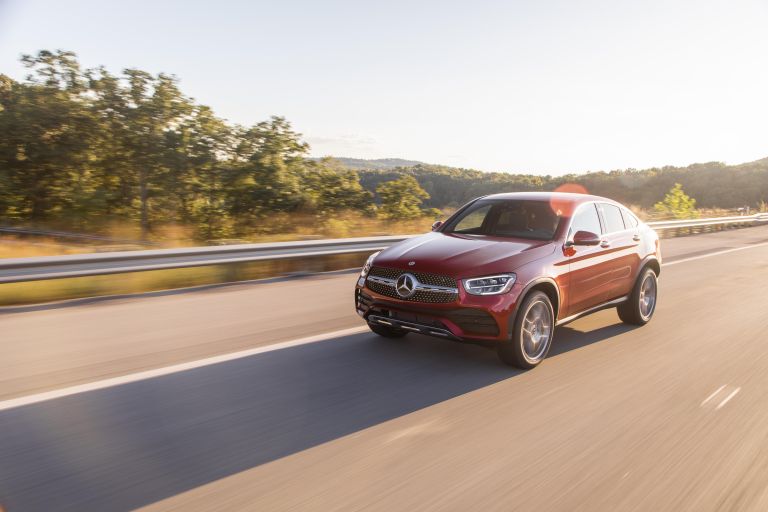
598 207
628 212
622 209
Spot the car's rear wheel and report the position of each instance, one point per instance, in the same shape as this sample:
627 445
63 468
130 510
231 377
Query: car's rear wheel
531 333
640 306
387 332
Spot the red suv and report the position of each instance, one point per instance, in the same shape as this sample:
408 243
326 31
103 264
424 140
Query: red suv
509 268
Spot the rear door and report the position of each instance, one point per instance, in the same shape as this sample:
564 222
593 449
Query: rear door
621 240
589 267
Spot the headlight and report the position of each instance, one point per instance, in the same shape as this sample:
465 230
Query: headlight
489 285
368 263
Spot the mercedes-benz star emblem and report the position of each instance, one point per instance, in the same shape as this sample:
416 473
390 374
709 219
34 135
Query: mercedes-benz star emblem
406 285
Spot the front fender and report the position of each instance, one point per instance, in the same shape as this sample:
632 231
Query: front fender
551 286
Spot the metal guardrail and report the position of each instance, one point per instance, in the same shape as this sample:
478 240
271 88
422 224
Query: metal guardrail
14 270
715 221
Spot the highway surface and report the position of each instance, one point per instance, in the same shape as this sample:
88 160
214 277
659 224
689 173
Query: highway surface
271 396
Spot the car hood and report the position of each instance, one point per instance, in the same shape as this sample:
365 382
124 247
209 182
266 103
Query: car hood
461 255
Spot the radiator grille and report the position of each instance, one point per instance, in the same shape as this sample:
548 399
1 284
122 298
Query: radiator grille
423 277
419 295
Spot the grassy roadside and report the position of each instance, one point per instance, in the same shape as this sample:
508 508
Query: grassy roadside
278 228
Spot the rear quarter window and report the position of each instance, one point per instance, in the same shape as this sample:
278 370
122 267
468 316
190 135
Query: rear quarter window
613 218
629 219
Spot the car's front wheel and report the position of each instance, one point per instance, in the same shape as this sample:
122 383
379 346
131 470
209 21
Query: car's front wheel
641 304
387 332
531 333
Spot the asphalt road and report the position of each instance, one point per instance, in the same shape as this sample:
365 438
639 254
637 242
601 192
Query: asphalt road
670 416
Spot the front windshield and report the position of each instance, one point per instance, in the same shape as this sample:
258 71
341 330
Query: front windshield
512 218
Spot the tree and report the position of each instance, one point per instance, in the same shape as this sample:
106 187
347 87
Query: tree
268 177
83 147
46 131
401 198
677 204
330 187
199 152
156 108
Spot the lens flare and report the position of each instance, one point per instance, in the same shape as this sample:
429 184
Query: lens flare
563 207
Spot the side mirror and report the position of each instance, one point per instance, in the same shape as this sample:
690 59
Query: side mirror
436 225
586 238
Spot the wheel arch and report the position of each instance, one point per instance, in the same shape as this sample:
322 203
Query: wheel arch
546 285
652 262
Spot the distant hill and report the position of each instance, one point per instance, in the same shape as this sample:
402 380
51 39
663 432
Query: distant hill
379 164
712 184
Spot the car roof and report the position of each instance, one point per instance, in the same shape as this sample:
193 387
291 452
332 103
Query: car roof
569 197
565 203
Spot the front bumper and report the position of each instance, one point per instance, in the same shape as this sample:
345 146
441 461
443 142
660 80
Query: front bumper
469 317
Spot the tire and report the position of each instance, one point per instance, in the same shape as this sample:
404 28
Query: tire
639 308
387 332
528 347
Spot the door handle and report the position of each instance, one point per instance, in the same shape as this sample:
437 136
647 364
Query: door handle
636 237
605 244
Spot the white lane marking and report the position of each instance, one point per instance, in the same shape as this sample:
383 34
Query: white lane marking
726 251
713 395
166 370
728 398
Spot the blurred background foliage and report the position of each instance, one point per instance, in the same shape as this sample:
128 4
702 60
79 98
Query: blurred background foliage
677 204
90 151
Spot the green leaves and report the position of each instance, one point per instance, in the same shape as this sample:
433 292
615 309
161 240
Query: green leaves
677 204
401 199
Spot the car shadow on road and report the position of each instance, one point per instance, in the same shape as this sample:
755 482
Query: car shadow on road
568 338
127 446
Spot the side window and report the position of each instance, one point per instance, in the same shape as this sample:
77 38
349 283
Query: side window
612 218
586 219
629 219
473 221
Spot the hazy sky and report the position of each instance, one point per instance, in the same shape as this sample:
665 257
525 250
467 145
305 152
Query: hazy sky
536 86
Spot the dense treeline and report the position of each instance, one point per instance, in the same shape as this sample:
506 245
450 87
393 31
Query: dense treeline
714 185
82 147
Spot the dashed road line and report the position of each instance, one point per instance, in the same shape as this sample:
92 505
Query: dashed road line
719 392
728 398
713 395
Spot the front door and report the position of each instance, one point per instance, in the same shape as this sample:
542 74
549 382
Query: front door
589 267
